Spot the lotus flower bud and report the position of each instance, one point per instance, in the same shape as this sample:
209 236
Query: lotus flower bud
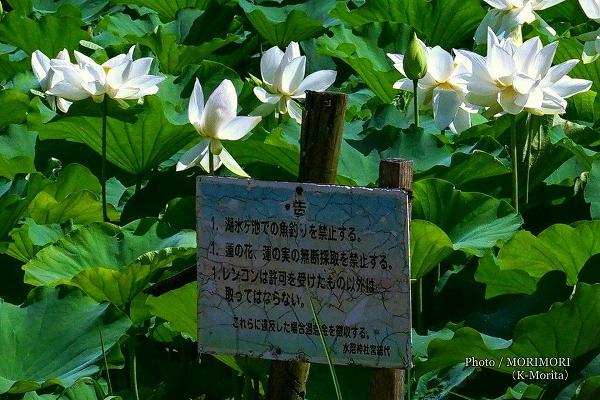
415 62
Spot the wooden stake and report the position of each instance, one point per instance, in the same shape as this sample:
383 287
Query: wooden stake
320 143
388 384
321 137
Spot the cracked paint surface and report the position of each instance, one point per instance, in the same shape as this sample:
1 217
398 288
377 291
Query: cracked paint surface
264 247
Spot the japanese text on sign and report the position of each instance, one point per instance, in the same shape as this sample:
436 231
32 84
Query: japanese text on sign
264 247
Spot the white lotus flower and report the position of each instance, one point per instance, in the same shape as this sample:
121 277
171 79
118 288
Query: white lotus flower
215 121
591 8
520 78
283 76
119 78
507 16
442 88
47 77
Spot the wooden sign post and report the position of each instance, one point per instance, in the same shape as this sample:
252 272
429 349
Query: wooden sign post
388 384
265 247
320 142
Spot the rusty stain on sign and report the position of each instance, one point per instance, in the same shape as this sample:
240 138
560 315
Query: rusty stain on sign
264 247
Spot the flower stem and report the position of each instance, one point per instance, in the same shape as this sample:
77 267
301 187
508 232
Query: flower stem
133 370
103 173
211 161
416 102
532 132
515 163
110 391
418 300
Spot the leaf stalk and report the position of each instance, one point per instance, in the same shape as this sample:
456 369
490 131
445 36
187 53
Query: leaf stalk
103 172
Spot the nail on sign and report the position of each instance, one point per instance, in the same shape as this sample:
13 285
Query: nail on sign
266 249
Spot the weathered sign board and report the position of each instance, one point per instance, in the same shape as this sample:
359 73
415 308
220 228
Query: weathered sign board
265 247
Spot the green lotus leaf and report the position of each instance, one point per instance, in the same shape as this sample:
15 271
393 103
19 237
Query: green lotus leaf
429 245
54 338
17 103
186 20
485 159
575 324
115 28
179 307
167 10
357 168
50 34
423 149
283 24
449 24
570 329
30 237
364 55
558 248
84 389
499 282
75 195
473 221
138 138
465 168
89 8
17 151
109 262
173 57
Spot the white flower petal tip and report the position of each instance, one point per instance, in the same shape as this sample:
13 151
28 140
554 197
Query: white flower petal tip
266 97
40 64
48 77
193 156
196 105
294 110
591 8
317 82
232 165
